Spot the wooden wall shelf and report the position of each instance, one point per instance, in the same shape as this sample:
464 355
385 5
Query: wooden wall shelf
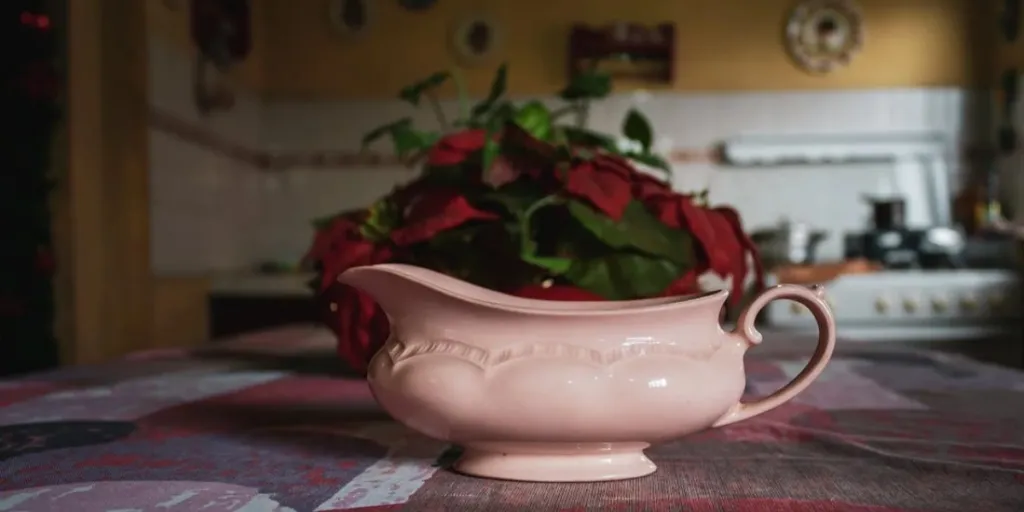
625 49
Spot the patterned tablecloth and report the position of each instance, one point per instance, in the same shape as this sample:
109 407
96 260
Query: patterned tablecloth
267 424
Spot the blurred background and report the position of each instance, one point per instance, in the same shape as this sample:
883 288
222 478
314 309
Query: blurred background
870 144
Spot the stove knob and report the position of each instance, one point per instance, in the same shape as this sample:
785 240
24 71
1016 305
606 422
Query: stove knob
968 303
940 305
910 306
881 305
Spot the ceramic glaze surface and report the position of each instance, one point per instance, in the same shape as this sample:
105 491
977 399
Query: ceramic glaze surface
564 391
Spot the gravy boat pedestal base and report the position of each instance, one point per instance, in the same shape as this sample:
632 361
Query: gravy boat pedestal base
556 462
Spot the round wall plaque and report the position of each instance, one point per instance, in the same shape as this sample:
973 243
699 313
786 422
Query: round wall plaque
351 17
823 35
475 40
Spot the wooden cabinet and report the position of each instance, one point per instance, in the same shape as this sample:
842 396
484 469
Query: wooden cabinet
239 304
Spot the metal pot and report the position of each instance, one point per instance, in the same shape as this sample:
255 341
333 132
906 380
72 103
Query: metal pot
888 214
790 243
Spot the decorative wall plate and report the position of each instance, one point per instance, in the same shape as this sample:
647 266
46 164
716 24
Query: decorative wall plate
822 35
351 17
475 40
221 29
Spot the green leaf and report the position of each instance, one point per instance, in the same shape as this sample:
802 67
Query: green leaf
623 275
500 113
637 128
408 140
489 152
321 223
383 217
587 85
415 92
701 198
324 222
516 198
528 247
386 129
584 137
551 264
650 160
503 113
498 87
491 147
638 229
458 237
535 119
447 175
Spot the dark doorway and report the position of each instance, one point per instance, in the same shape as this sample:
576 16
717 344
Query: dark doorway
32 92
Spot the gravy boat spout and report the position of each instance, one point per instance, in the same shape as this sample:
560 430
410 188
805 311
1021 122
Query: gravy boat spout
564 391
394 287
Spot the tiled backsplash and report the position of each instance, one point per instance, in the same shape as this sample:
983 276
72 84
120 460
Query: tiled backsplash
216 212
206 203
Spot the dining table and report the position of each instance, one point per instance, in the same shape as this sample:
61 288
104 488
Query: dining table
271 421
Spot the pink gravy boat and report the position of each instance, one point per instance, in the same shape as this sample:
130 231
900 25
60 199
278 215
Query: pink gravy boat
537 390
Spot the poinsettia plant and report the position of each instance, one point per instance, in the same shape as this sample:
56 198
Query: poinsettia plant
525 199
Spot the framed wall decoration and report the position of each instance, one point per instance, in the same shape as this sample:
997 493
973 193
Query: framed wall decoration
1009 20
221 30
824 35
475 40
351 17
417 5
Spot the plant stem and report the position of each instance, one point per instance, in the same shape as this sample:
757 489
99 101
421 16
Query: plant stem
582 113
413 160
460 87
558 135
559 112
527 245
438 111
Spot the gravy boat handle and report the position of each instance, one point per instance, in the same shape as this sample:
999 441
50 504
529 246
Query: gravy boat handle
814 299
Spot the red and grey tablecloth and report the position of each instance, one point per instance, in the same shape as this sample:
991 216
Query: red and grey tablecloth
270 425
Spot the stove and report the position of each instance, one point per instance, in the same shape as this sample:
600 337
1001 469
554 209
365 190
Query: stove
909 305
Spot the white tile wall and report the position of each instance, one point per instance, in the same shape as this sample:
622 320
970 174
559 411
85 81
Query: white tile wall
213 214
205 206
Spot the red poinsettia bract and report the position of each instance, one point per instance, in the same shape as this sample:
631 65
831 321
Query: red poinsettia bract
456 148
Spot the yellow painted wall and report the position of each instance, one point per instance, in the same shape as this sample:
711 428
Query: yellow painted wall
169 20
104 284
722 44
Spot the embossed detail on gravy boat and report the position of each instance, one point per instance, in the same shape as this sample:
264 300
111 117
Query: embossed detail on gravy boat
564 391
400 351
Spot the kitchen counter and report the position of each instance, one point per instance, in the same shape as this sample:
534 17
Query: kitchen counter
290 284
249 301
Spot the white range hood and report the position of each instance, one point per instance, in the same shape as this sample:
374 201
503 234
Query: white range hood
919 163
